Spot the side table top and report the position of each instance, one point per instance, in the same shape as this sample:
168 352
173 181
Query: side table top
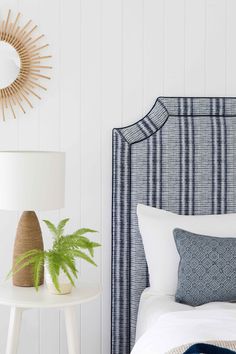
29 298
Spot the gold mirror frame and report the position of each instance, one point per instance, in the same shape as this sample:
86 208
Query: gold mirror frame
18 93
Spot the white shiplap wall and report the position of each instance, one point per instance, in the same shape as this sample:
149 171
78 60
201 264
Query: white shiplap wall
111 59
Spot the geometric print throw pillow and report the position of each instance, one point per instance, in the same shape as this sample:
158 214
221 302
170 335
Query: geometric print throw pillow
207 268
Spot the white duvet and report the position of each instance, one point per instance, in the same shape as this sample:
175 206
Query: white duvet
174 329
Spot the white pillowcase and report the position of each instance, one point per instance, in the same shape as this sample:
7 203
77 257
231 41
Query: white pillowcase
156 228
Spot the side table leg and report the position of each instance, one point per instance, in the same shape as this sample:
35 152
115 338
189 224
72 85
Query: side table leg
14 330
71 330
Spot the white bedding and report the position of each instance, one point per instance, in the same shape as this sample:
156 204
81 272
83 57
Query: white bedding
151 306
163 324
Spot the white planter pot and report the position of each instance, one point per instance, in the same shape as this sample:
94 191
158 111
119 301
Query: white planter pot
64 283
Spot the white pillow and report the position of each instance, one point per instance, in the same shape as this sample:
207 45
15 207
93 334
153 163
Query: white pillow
156 228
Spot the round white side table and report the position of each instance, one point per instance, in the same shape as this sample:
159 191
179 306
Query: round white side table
20 299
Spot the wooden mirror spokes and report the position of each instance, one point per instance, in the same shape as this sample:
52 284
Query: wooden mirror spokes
33 71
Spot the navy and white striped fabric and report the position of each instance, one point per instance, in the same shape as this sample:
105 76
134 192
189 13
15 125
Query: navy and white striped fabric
180 157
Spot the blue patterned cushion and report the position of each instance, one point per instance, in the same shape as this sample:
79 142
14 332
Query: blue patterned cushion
202 348
207 268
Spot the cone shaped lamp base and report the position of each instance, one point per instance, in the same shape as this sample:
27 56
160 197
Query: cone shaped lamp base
28 237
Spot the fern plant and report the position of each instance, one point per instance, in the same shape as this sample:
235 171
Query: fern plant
62 257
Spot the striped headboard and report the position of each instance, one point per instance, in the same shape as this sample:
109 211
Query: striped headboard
180 157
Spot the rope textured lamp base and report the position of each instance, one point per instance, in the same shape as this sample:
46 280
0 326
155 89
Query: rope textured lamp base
28 237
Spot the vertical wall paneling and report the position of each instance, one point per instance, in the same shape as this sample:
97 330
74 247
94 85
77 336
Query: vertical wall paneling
91 158
194 47
230 46
28 138
50 114
110 117
8 140
174 47
70 108
215 48
49 318
153 51
132 60
49 139
111 59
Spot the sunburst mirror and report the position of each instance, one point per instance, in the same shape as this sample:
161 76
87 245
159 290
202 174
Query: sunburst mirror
23 68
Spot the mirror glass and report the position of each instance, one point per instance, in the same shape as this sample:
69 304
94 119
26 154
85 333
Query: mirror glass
9 64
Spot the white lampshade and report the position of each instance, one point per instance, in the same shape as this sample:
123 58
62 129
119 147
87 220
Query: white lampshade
32 180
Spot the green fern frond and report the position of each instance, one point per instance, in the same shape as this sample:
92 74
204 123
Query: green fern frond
84 239
67 273
37 269
25 264
92 246
54 269
20 259
62 256
91 252
77 242
90 243
61 226
70 262
73 241
95 244
27 254
83 231
51 227
55 260
80 254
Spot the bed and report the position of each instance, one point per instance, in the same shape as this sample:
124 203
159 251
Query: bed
164 325
180 157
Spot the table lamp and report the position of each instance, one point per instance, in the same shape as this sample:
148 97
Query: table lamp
29 181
